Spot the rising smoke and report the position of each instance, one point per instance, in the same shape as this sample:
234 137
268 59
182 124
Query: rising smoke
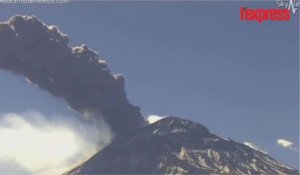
77 74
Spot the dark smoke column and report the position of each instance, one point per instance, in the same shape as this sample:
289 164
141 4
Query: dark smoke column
41 53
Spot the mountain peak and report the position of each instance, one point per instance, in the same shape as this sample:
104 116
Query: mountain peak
176 125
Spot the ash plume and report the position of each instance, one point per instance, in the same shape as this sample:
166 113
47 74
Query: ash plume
77 74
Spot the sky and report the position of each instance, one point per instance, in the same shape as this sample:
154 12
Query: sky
194 60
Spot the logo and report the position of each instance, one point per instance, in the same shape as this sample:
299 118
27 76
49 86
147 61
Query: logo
285 9
261 15
292 5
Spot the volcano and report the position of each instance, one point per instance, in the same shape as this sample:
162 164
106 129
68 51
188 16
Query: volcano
176 146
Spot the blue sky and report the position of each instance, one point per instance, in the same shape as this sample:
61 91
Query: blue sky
195 60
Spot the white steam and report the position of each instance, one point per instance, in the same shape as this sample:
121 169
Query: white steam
31 143
286 144
154 118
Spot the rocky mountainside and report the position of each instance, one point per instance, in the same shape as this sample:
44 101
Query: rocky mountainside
176 146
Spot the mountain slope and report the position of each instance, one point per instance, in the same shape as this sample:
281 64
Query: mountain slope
177 146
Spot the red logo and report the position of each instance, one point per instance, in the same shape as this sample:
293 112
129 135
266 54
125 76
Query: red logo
261 15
